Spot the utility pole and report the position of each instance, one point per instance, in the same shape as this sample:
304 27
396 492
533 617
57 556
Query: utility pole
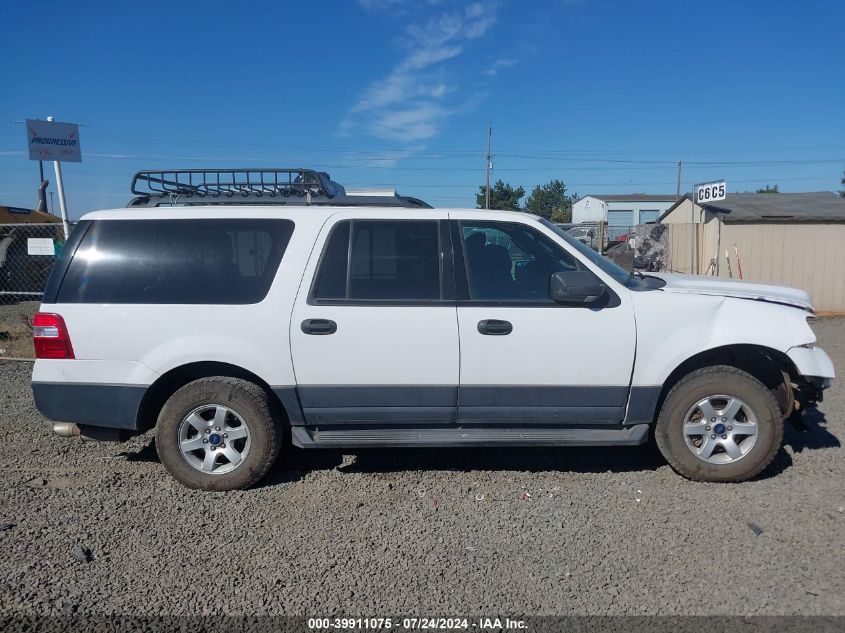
693 251
678 186
489 164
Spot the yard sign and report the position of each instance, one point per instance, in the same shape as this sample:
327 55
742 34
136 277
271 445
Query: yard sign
50 140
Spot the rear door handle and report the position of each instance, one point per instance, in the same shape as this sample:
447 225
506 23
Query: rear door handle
319 326
495 327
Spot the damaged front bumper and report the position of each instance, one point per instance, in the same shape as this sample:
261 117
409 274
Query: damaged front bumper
815 372
812 362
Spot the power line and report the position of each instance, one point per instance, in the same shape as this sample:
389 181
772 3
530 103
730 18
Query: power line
582 184
468 152
645 164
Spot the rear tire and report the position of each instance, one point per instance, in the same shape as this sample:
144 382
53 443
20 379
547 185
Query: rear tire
218 433
719 424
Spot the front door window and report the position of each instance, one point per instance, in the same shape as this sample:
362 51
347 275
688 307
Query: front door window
511 262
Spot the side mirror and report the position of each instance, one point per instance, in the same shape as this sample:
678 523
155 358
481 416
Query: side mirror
576 287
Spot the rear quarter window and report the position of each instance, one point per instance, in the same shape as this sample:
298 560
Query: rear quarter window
218 261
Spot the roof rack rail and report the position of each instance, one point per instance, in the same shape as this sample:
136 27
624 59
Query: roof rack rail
274 186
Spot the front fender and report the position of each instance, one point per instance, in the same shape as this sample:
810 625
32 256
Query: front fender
672 328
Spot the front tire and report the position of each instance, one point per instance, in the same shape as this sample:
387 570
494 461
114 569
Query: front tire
719 424
218 433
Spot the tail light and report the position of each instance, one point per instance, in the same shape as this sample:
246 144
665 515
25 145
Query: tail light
49 333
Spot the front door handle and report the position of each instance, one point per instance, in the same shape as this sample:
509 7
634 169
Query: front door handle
495 327
319 326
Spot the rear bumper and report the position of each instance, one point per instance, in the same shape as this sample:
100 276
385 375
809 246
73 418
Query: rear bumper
109 406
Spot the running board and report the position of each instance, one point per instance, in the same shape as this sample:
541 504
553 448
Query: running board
364 438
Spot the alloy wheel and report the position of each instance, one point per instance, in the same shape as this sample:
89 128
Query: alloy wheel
214 439
720 429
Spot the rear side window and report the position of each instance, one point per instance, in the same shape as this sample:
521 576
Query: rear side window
176 261
391 260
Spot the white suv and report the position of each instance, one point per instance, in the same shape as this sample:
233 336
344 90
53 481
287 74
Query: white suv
233 328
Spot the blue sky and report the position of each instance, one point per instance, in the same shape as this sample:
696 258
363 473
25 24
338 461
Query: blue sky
605 96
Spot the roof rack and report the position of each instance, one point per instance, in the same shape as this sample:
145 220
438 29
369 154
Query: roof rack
186 187
231 182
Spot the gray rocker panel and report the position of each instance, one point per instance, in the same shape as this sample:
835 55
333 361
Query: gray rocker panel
335 437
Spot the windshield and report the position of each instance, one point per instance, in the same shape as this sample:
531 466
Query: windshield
618 273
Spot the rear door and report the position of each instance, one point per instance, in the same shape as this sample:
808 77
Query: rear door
525 359
374 333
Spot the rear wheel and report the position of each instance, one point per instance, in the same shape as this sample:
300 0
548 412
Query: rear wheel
218 433
719 424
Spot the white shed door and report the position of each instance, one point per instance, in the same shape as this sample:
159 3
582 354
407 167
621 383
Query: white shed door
647 216
620 218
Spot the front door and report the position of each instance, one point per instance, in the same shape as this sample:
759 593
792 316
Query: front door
524 358
374 333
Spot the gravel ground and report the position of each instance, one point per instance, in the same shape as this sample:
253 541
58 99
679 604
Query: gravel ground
15 330
540 531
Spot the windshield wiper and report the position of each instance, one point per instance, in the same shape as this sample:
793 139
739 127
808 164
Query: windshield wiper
641 278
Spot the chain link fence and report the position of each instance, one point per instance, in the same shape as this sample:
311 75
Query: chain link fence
599 237
27 253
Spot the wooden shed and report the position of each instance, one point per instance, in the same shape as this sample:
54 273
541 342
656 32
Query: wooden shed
792 239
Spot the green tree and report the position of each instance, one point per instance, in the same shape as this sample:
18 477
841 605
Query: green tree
768 189
503 197
551 201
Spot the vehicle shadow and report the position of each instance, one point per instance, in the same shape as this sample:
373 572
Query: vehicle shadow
805 432
810 432
147 452
295 463
586 459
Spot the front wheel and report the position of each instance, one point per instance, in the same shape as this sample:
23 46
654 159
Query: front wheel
719 424
218 433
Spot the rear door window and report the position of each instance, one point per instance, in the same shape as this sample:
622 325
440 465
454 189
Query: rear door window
218 261
385 260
